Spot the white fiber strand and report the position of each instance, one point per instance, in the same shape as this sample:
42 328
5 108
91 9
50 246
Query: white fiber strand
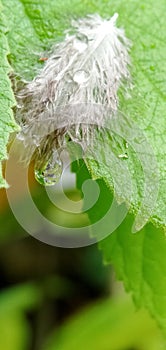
77 86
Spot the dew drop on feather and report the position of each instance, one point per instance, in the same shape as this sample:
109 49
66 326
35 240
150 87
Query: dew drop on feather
50 174
81 77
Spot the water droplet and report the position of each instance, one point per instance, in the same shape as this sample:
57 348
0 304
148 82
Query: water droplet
21 136
49 33
81 77
19 106
50 174
127 95
81 43
123 156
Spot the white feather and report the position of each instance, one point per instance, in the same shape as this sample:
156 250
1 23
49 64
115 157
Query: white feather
77 86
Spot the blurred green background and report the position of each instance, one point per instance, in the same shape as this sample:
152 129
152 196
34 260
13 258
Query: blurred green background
64 299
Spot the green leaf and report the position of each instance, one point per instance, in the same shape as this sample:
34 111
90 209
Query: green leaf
145 24
7 101
33 27
14 328
138 259
108 325
15 332
21 297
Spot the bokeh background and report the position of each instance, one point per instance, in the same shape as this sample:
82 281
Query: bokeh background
59 298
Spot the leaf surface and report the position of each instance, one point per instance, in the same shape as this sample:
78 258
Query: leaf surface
7 101
33 28
138 259
42 24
